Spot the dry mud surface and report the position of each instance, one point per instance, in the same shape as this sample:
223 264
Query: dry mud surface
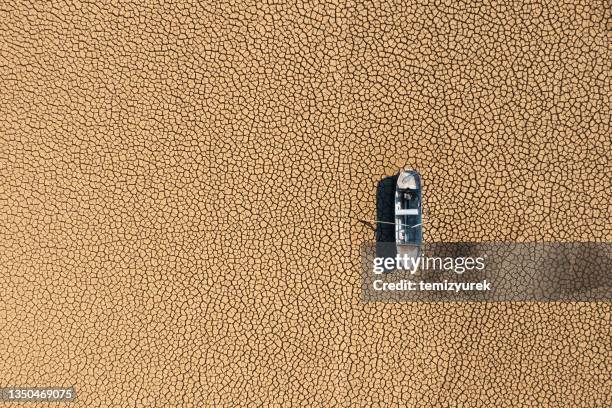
180 186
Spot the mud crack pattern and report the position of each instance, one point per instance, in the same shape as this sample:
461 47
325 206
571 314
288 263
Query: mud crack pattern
180 185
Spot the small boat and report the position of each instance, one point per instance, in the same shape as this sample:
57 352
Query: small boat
408 216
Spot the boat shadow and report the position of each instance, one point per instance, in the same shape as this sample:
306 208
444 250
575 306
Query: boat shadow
385 214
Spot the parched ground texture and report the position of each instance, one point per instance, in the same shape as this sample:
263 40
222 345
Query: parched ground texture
180 185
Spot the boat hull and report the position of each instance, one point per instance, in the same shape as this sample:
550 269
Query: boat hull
408 210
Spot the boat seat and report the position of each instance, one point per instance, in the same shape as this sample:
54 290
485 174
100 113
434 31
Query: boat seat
408 211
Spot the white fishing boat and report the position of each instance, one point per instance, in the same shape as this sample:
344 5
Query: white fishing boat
408 215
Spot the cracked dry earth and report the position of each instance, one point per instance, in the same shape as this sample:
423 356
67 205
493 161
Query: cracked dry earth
180 185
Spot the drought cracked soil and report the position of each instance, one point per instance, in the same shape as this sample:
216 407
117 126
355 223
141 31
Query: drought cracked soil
180 186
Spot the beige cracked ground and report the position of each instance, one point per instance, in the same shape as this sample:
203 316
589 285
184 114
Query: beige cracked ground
180 186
